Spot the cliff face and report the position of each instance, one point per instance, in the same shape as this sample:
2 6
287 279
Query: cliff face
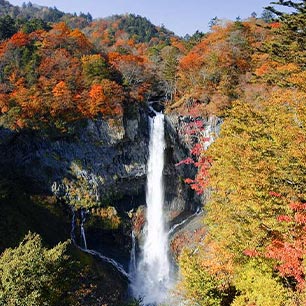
102 163
110 156
178 195
179 144
105 158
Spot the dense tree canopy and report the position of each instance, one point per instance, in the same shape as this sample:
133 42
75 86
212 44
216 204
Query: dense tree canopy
33 275
254 252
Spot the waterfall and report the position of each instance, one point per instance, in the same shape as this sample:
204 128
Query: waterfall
133 264
111 261
175 226
152 279
83 237
211 131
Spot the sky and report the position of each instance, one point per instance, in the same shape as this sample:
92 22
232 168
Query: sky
179 16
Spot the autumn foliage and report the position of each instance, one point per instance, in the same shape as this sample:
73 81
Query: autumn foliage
250 73
254 173
104 98
51 78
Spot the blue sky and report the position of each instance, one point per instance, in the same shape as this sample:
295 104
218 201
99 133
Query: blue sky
179 16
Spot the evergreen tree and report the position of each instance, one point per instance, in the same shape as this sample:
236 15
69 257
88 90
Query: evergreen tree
32 275
291 42
7 27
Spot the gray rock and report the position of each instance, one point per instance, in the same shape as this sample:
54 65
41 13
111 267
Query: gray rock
106 159
103 153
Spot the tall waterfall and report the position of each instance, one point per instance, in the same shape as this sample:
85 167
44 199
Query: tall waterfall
152 279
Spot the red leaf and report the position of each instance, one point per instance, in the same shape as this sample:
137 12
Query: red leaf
186 161
250 253
283 218
188 181
275 194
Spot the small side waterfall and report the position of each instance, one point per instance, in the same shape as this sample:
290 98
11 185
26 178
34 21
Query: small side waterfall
83 236
111 261
152 279
175 226
209 132
133 263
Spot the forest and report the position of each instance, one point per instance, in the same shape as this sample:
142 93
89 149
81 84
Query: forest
61 72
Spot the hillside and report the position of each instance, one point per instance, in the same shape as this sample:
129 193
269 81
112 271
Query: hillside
135 27
30 11
253 75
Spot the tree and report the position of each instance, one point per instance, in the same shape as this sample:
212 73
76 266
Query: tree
131 67
95 68
34 24
60 66
289 247
258 286
289 45
213 22
267 16
256 170
33 275
199 286
135 73
80 42
257 158
104 98
169 68
7 27
209 74
62 102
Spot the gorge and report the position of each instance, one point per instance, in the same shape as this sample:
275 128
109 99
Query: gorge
150 274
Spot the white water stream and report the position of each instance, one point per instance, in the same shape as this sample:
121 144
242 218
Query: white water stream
111 261
175 226
151 279
83 236
133 262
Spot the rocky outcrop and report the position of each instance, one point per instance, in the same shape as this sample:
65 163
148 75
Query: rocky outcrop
179 196
182 201
105 160
109 155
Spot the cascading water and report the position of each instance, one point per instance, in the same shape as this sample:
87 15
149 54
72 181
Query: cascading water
83 236
111 261
133 264
175 226
152 278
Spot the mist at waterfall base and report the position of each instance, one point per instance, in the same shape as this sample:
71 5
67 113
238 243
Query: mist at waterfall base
151 274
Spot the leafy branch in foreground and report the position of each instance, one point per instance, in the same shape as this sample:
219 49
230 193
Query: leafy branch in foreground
34 275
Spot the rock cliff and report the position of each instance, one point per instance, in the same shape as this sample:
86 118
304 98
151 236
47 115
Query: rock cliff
106 159
109 155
